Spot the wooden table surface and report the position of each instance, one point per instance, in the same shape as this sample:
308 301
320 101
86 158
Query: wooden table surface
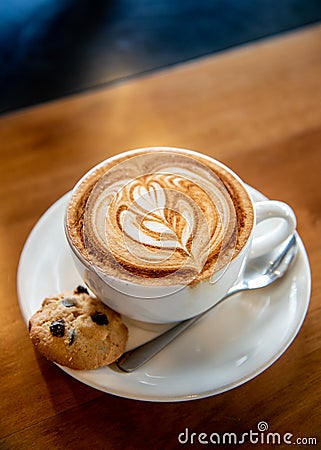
256 108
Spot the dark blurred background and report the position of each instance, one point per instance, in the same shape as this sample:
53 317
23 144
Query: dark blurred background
53 48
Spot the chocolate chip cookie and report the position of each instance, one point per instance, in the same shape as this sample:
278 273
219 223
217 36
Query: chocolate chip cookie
78 331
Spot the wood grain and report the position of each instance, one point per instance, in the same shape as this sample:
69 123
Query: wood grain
256 108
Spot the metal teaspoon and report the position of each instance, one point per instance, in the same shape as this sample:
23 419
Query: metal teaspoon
253 278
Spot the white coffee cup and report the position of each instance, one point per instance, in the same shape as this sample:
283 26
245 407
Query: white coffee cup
164 304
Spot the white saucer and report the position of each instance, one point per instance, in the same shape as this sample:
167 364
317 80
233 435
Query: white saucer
236 342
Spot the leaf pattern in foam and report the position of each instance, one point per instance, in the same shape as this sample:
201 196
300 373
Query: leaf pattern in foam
151 222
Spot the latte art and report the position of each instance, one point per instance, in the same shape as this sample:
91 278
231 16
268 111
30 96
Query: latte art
164 221
152 213
159 218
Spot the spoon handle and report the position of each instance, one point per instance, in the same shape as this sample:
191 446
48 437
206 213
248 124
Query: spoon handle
135 358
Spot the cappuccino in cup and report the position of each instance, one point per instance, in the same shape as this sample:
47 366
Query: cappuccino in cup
160 234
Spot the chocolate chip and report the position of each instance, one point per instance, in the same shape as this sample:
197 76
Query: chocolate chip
81 290
29 326
57 328
72 336
68 302
99 318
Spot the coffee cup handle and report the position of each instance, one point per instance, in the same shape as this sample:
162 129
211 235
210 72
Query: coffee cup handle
272 209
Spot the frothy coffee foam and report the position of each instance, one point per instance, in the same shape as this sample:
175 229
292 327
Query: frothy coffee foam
161 217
